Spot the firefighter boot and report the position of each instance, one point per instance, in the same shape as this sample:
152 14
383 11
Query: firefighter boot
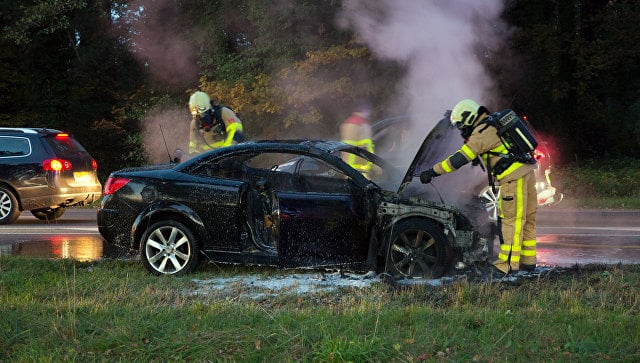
502 266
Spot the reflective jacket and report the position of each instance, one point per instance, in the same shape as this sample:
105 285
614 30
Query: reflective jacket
485 143
356 131
201 139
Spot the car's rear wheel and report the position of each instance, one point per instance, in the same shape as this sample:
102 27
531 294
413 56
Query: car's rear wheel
48 214
418 249
169 248
9 209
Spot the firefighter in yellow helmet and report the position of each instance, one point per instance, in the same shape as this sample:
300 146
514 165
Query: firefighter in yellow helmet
356 130
212 126
517 190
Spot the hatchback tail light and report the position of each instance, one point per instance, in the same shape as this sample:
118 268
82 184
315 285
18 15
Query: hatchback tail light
94 164
114 184
56 165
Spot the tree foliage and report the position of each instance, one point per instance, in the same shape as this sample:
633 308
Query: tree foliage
96 68
579 73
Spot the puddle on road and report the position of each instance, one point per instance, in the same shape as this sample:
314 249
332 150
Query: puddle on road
84 248
552 250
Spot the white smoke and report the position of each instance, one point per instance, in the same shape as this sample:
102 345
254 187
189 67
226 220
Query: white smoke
441 42
164 130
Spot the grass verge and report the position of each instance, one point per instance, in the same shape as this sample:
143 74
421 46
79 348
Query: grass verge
64 310
605 184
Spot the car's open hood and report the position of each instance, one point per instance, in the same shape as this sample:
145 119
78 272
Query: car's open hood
455 189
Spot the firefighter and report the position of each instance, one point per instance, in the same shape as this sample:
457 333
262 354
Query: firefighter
517 190
355 130
212 126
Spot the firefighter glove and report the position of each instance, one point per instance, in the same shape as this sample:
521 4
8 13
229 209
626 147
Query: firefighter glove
427 175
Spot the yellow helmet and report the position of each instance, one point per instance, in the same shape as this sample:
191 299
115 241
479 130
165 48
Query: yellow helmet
199 102
464 113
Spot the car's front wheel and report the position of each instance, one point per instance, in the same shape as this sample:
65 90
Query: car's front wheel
9 209
418 248
48 214
169 248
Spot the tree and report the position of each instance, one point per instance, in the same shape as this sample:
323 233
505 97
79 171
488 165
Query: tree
579 72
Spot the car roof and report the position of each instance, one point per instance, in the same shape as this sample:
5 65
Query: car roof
323 149
28 130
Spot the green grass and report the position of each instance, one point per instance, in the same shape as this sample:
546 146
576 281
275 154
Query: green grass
62 310
600 183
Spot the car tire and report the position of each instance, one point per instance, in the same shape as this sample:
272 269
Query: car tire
418 249
48 214
169 248
9 209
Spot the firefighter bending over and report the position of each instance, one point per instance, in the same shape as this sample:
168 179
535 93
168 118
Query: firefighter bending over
517 190
212 126
356 131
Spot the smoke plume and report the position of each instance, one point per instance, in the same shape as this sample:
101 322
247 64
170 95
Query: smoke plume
441 42
158 42
443 45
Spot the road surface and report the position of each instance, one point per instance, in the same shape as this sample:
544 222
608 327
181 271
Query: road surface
565 237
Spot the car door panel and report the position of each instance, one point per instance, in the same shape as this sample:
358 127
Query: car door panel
320 228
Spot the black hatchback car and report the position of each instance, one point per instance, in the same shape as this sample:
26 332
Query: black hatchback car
44 171
290 204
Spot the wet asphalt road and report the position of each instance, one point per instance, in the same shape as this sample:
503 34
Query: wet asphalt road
565 237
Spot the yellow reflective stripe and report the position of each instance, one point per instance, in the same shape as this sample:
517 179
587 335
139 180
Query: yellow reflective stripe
351 158
364 143
231 129
192 144
234 126
529 253
529 243
517 227
445 166
500 149
466 150
515 166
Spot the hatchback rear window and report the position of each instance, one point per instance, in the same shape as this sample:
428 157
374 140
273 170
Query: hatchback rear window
14 146
64 144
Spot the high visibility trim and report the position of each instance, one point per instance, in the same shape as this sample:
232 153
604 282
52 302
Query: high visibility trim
232 129
445 166
516 165
529 243
517 227
502 149
351 158
466 150
234 126
528 253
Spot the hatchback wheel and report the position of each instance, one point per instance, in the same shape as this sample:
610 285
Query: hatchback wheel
418 248
9 210
169 248
48 214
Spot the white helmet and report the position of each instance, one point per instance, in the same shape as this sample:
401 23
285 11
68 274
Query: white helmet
464 113
199 102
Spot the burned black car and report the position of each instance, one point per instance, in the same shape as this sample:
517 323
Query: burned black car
289 204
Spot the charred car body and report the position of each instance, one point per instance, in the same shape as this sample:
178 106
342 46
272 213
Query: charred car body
290 204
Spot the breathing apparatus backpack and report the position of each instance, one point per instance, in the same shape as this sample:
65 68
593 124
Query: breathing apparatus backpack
516 137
